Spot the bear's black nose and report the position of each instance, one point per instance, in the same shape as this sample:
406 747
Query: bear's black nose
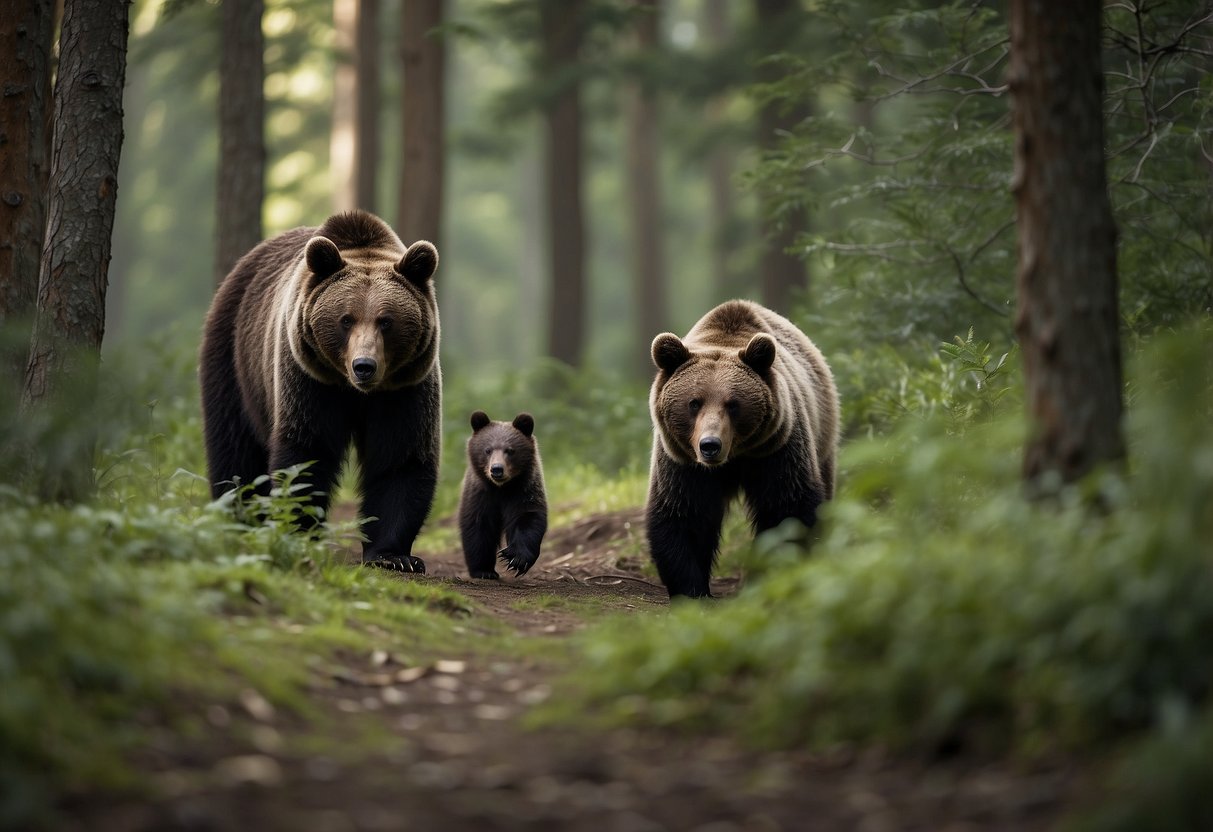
497 471
710 447
364 368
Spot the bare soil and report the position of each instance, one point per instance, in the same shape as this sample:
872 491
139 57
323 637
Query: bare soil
451 751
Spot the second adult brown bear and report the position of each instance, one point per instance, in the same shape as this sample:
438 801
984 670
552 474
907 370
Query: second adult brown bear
320 338
745 403
503 496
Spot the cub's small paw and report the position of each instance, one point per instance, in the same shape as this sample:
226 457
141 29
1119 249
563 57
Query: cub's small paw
398 563
487 575
518 562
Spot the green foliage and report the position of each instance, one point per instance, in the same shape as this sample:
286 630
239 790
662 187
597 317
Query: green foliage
940 608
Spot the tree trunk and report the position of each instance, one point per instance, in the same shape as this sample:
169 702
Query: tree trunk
720 168
644 192
1067 320
422 176
783 274
342 136
366 153
26 35
241 188
560 31
83 191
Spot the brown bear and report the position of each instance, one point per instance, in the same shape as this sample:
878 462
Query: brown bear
503 496
320 338
745 403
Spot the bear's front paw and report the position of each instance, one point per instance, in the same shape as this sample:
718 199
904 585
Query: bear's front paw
518 562
485 575
397 563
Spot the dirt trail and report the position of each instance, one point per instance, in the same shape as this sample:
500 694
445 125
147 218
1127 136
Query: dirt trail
457 756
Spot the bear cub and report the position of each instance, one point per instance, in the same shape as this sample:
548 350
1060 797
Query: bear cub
503 496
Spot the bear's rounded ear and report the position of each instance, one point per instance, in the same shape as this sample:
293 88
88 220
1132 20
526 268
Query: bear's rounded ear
418 263
525 422
669 353
323 257
479 420
759 354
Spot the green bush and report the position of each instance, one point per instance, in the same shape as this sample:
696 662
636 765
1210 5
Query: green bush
942 609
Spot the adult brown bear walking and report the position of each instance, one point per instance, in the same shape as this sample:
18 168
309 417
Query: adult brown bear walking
323 337
745 403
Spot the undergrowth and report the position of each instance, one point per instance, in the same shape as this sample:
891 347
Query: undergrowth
943 611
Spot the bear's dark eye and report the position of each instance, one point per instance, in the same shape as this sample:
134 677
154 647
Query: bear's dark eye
347 321
694 406
488 451
385 324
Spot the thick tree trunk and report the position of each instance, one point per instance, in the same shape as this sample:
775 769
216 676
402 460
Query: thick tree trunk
1067 320
83 194
422 177
783 274
241 188
560 31
644 191
354 141
26 35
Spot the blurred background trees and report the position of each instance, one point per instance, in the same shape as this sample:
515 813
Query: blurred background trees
867 144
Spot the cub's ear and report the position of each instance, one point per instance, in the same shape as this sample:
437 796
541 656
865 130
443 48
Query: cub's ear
759 354
525 422
669 353
323 258
418 263
479 420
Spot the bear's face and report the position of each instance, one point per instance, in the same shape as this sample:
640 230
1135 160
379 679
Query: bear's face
711 405
501 451
372 319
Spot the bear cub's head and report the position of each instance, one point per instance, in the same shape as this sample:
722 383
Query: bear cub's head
501 451
712 405
370 318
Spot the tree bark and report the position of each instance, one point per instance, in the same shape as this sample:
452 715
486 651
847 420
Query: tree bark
1067 319
644 191
423 172
241 188
783 274
26 40
83 191
560 33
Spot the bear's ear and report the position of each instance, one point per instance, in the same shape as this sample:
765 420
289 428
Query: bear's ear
525 422
669 353
759 354
479 420
323 257
418 263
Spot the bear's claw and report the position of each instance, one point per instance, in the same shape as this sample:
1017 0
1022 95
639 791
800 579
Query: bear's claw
518 564
398 563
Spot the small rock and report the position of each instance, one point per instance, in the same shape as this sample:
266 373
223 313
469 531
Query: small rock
249 769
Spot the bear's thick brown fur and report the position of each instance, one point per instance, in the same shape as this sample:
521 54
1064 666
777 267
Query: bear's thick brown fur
503 496
745 403
323 337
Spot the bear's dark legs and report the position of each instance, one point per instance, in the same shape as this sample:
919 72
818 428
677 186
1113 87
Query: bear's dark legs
233 452
683 520
779 487
480 533
523 536
321 474
400 499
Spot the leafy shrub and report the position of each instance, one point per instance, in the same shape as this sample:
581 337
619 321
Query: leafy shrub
942 608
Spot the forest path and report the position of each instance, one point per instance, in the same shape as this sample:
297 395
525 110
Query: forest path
449 749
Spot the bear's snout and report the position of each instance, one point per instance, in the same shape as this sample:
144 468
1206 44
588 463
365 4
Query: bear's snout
710 447
497 471
364 368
